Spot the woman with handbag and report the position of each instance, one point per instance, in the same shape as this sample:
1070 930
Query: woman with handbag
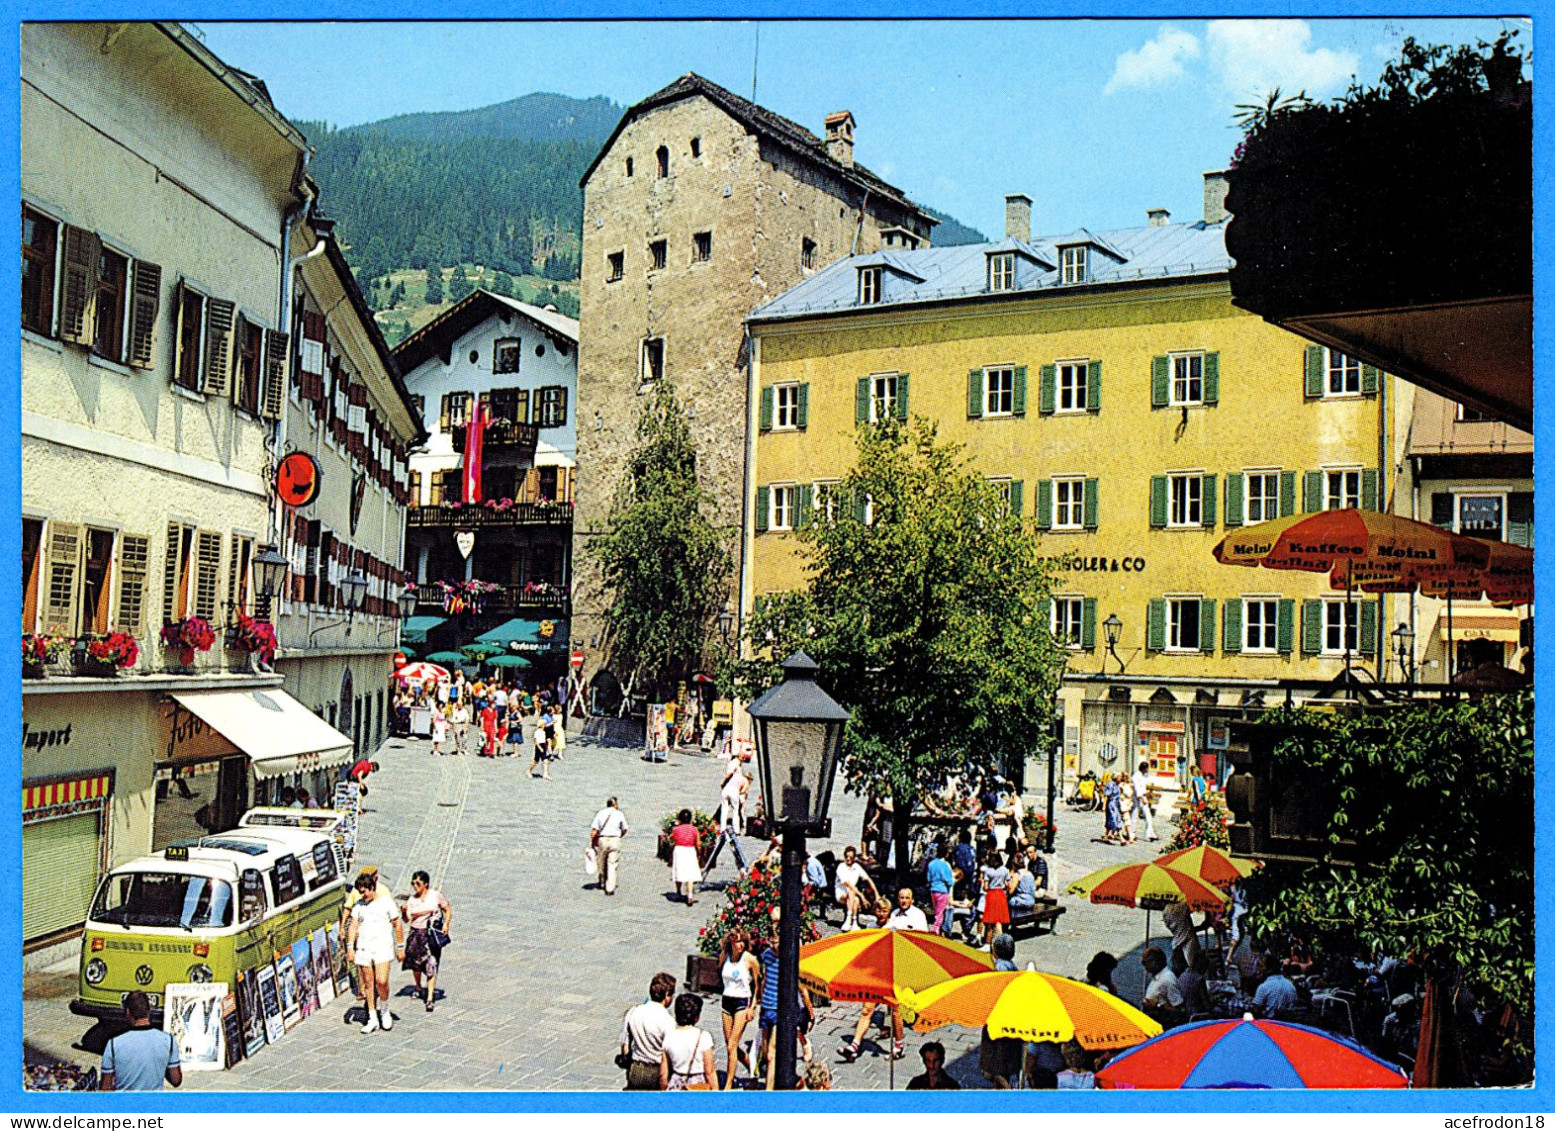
685 868
430 917
686 1064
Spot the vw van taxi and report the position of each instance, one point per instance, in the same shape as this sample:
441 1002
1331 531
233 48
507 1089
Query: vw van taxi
202 910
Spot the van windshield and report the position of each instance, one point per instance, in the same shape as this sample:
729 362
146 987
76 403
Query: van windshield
163 899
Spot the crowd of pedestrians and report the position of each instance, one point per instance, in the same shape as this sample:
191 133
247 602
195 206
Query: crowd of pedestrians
491 718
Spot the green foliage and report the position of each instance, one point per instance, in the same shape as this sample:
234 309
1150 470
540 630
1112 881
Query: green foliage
1204 823
748 904
434 291
1440 798
929 623
665 568
459 286
503 284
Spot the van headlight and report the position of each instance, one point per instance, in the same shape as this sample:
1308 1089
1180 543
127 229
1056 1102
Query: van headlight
199 972
96 971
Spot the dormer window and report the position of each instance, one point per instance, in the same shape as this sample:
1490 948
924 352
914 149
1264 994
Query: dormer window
1074 262
1001 271
871 289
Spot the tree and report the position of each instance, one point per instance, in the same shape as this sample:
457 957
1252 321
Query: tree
434 285
460 286
503 284
663 564
926 607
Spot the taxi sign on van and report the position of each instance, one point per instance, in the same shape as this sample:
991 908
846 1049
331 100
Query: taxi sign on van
176 852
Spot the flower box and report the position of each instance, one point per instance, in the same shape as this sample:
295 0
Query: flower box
102 657
704 974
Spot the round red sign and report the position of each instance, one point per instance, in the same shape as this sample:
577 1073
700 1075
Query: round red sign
297 479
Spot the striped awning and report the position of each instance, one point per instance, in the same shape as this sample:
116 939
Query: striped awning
46 795
1502 625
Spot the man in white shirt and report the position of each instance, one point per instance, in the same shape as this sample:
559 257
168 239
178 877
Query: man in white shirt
849 889
642 1034
906 917
605 835
501 698
1141 805
1163 996
732 797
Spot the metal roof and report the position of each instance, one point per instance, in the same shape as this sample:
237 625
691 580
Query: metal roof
1132 255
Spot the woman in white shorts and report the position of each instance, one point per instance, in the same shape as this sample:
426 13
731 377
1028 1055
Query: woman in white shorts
374 938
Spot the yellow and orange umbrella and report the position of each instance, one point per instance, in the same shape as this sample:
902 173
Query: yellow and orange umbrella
1210 864
1349 539
1033 1006
874 964
1147 884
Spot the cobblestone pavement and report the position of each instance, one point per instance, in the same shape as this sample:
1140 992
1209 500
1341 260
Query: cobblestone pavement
542 966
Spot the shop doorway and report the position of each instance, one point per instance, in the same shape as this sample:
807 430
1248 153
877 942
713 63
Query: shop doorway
347 709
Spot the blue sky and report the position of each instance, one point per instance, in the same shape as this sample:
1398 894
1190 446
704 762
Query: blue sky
1096 120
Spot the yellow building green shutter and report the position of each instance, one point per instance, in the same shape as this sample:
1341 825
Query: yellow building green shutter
974 394
766 408
1233 499
1160 382
1313 371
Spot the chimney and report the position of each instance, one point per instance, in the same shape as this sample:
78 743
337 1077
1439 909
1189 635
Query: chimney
1215 186
1159 217
1017 217
839 137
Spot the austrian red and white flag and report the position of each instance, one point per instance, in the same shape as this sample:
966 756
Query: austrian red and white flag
474 440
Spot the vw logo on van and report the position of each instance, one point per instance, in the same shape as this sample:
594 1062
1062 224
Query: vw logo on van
143 975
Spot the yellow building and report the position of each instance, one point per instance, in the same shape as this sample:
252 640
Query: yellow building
1136 417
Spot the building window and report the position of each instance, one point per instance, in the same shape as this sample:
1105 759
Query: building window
662 156
419 403
870 281
701 247
1009 496
628 166
40 245
882 400
828 500
696 147
504 355
1001 271
456 411
552 406
807 254
1262 498
784 502
191 324
1068 504
1186 500
92 615
511 405
999 391
112 274
653 359
1344 374
250 365
1072 386
1482 516
1188 379
615 266
1182 624
1467 415
1074 261
1341 627
1068 621
658 255
1260 624
786 406
1342 489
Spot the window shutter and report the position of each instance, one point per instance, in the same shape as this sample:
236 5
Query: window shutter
1285 627
860 506
78 297
172 567
763 495
1233 499
1311 627
861 402
1287 493
207 574
1047 396
1090 504
1212 378
1017 497
1088 623
62 592
1155 626
145 305
442 419
277 352
767 393
1045 613
1369 375
1206 625
1312 492
1093 387
134 562
1044 504
974 394
1314 371
1231 634
561 406
1370 615
806 503
218 346
1369 489
1209 502
1160 382
803 414
1519 518
901 396
1019 405
1158 500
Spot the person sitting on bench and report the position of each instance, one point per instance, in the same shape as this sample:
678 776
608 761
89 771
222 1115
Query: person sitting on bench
1022 889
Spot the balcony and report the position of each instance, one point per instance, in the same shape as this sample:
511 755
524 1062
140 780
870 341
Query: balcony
474 516
504 437
509 600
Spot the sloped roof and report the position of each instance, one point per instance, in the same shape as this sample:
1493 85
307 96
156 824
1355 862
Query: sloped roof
438 335
1173 251
763 122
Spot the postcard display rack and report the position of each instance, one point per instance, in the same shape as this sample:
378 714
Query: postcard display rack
348 803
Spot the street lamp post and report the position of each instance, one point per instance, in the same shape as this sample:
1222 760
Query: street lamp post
355 587
1404 649
798 733
270 571
1113 627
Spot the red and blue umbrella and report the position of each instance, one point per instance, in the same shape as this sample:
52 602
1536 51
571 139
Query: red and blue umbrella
1249 1054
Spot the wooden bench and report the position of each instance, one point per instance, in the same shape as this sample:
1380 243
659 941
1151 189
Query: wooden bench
1044 913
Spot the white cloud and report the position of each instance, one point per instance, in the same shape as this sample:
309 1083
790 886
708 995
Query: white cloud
1154 64
1253 57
